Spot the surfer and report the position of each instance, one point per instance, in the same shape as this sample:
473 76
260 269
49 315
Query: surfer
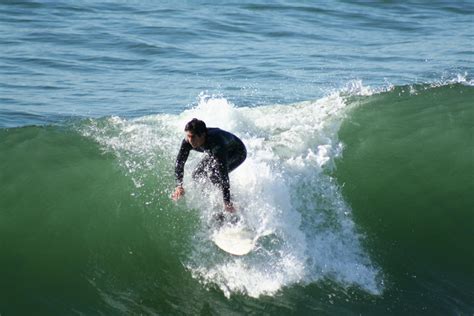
224 152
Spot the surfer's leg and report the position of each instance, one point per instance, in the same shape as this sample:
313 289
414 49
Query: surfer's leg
206 169
200 172
209 169
236 159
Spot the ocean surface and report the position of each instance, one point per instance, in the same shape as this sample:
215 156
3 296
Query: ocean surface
358 118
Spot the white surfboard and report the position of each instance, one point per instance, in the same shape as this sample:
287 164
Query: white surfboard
235 240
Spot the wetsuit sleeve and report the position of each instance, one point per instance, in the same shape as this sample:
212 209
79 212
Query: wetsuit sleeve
181 161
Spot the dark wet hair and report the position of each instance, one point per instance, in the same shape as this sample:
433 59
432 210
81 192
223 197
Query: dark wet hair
195 126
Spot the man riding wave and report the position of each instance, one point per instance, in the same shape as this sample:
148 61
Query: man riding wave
224 153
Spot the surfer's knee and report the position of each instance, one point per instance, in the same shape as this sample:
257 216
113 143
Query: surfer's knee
198 175
214 178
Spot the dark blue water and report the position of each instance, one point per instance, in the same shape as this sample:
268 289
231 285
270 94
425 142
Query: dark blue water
91 58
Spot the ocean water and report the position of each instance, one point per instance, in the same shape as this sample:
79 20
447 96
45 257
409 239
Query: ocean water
358 120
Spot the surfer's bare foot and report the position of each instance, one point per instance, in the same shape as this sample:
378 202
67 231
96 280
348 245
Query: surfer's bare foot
219 217
229 207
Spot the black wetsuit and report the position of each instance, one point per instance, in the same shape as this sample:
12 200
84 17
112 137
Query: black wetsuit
225 152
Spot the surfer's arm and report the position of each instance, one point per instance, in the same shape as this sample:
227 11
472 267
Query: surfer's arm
181 161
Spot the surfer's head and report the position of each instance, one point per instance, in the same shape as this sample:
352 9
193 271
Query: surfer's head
196 132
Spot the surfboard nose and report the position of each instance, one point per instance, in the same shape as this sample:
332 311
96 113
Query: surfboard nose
235 240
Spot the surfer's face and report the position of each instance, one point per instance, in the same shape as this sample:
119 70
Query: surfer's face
195 140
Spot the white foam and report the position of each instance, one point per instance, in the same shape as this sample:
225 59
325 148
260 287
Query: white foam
284 191
460 78
284 188
356 87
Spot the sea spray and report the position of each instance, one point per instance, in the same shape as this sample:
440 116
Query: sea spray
284 191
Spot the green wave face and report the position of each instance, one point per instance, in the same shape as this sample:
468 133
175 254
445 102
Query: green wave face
407 171
357 198
73 230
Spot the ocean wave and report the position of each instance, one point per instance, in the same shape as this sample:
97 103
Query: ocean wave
283 189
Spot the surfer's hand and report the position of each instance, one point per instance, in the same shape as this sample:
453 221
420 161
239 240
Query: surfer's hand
178 193
229 207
